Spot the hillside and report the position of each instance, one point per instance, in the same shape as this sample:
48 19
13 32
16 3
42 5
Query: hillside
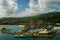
51 17
47 17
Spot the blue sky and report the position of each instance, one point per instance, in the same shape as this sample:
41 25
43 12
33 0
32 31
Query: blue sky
22 4
32 7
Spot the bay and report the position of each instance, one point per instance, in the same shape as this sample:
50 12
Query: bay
15 28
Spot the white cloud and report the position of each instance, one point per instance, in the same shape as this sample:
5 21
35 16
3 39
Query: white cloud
42 7
8 8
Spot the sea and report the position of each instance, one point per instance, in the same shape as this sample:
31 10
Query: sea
16 28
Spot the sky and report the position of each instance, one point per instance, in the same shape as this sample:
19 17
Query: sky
26 8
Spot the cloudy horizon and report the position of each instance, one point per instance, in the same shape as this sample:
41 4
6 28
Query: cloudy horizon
25 8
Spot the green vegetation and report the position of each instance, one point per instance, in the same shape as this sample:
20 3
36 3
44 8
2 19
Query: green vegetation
52 17
3 30
34 22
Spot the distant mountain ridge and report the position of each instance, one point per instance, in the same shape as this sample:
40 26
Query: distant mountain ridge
48 17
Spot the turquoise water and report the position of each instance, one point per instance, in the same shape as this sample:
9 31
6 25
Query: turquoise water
16 28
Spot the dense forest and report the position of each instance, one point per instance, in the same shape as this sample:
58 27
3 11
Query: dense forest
47 17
